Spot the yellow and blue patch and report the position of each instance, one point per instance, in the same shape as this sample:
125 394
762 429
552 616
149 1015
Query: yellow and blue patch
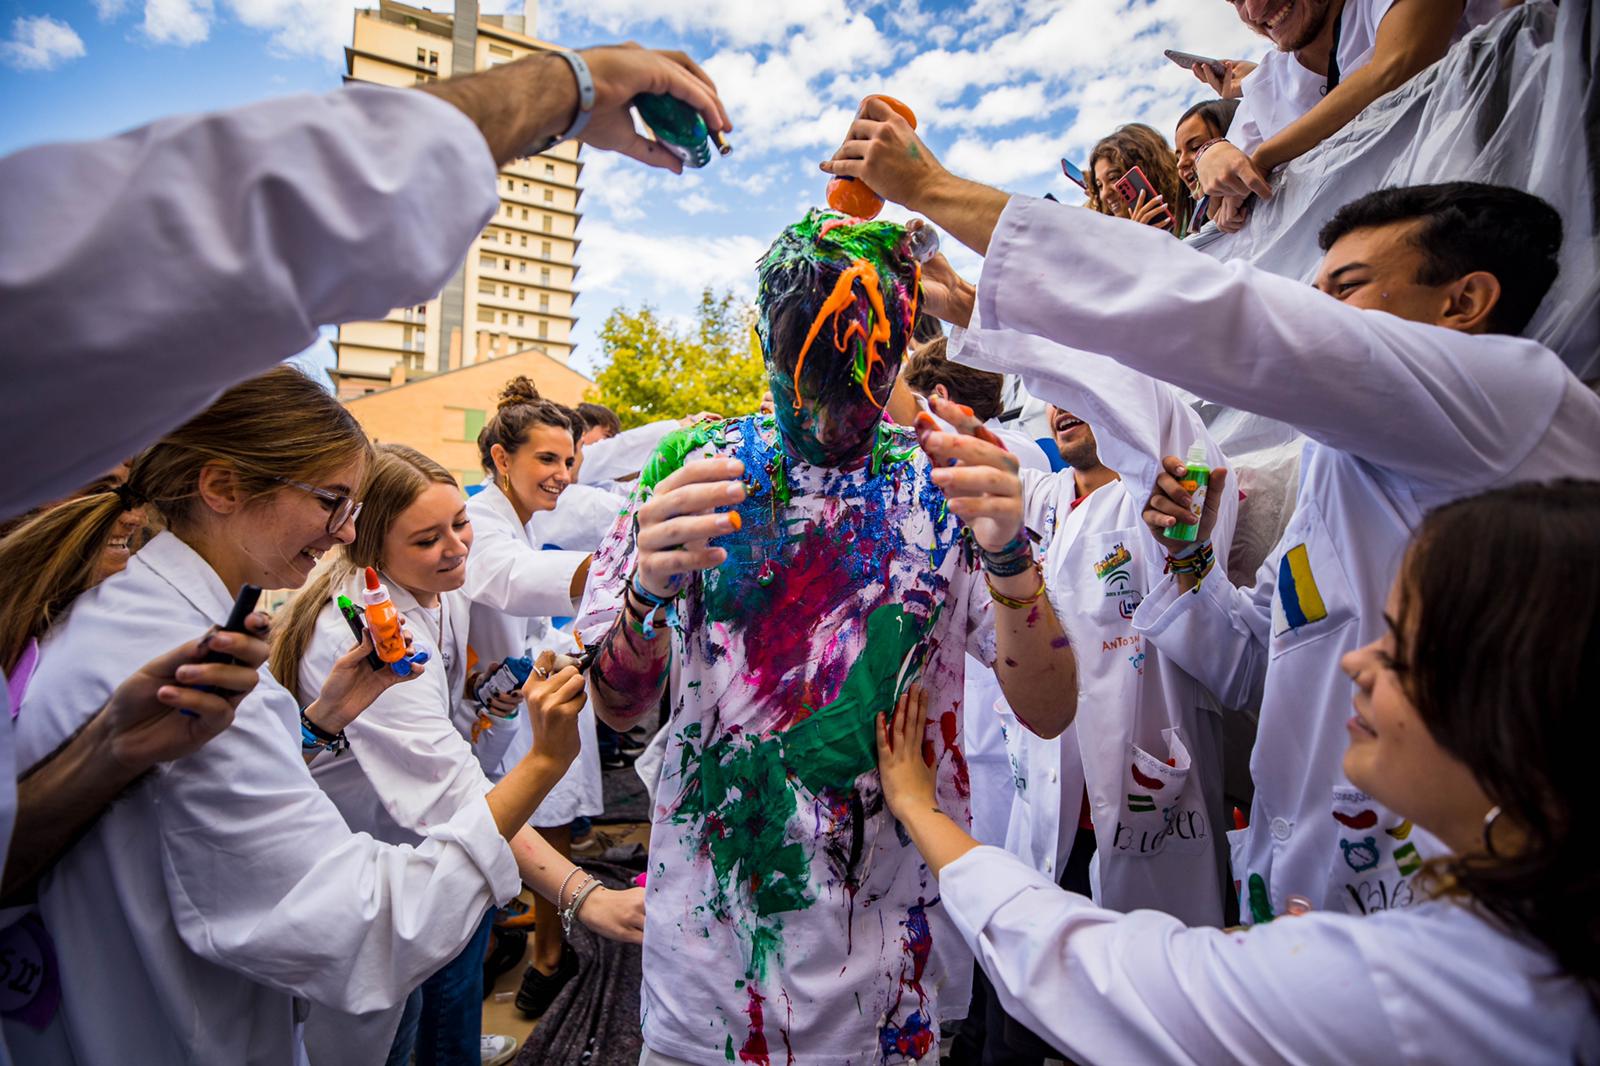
1299 601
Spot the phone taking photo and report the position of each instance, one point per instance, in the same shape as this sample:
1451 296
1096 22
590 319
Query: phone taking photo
1074 175
1188 61
1131 184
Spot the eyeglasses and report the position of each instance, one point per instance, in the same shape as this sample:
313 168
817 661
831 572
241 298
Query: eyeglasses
342 508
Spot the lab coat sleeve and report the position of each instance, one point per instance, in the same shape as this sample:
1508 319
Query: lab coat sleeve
624 455
145 273
505 574
276 886
420 766
1437 407
1140 987
1217 634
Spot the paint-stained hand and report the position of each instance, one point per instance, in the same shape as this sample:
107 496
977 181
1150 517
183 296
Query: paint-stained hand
677 523
904 762
1169 504
946 294
144 730
555 694
976 472
883 150
624 71
616 914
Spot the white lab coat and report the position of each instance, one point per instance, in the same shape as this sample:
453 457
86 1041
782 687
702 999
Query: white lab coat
257 224
624 455
1436 983
1402 417
8 812
515 588
411 765
1158 828
583 515
224 885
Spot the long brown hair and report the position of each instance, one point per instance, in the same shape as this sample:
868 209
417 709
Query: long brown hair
1138 145
1501 600
395 478
279 425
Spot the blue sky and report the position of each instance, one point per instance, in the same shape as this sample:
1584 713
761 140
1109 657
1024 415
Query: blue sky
1003 89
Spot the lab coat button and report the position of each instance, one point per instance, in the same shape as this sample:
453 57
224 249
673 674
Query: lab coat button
1052 776
1281 829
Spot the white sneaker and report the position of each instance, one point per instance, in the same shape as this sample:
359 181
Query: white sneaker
497 1050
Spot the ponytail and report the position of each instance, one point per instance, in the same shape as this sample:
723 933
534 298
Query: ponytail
49 561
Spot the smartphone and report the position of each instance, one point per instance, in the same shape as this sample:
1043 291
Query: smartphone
1131 184
243 605
1074 175
1188 61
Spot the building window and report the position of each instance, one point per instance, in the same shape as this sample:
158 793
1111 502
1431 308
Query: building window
548 223
422 310
544 301
490 235
544 328
485 315
508 264
422 56
522 294
524 240
524 214
488 262
544 275
549 196
526 188
505 290
505 318
486 286
522 267
433 59
412 361
500 50
511 186
421 79
546 249
519 320
549 169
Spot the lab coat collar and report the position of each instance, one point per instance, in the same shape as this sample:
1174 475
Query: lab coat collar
500 504
189 575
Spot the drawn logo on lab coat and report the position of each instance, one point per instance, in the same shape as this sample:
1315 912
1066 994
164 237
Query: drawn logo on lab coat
1114 571
1156 812
1299 602
1374 868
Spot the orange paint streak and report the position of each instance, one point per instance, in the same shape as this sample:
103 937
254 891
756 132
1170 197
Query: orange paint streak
839 300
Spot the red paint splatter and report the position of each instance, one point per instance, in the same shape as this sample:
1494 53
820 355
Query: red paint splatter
948 725
755 1045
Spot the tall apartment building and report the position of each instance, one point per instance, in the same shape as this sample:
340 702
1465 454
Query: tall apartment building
516 290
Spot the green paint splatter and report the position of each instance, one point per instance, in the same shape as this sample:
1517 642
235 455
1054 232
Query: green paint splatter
727 1048
1260 902
673 452
894 444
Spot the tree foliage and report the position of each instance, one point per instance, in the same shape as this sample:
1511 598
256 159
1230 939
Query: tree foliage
654 370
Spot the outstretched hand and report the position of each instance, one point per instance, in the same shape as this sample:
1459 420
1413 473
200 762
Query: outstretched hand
908 773
624 71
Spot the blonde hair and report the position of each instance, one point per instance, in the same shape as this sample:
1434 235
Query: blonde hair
395 478
1138 145
276 426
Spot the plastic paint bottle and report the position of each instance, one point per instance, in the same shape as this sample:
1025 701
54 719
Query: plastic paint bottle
677 126
854 197
921 244
509 676
383 620
1195 480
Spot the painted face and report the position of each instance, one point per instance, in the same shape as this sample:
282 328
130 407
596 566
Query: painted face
1392 756
1376 269
426 548
1288 24
1074 439
1191 134
540 469
828 395
276 540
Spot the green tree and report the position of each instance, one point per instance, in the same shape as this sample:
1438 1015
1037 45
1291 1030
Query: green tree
653 370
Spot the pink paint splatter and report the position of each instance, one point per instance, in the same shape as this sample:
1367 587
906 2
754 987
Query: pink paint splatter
755 1045
948 725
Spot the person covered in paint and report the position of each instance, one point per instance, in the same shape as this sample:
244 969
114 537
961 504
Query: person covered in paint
1465 737
780 579
1435 399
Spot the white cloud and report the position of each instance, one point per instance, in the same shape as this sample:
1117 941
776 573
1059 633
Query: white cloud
39 42
653 266
180 22
300 27
698 203
109 9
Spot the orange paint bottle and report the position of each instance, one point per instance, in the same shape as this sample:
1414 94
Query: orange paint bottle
853 196
383 620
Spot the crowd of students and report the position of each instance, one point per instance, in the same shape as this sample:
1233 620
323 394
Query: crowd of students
940 700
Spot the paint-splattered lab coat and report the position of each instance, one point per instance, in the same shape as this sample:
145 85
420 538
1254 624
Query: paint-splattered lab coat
786 912
1402 418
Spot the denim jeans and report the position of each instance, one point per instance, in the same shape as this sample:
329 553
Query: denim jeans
443 1020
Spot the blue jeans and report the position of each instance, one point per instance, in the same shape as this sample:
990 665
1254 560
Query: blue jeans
443 1020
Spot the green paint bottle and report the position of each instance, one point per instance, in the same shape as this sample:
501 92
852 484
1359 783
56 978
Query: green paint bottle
678 127
1195 480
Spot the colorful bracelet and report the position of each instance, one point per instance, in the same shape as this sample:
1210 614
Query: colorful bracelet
314 738
1016 605
1010 560
647 625
1195 563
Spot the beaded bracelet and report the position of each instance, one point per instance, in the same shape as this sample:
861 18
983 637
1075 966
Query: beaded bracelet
1016 605
1010 560
575 871
1195 563
578 897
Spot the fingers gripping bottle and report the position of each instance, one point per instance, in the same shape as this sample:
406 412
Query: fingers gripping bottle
1195 480
853 196
383 620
